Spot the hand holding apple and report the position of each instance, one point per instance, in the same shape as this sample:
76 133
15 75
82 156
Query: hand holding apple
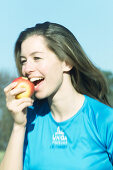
21 89
23 82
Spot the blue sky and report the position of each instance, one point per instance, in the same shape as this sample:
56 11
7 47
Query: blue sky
91 21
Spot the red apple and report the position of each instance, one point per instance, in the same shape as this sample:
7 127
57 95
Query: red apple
23 82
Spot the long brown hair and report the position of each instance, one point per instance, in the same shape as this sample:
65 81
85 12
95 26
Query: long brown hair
86 77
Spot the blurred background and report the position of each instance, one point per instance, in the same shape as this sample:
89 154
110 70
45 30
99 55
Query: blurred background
90 21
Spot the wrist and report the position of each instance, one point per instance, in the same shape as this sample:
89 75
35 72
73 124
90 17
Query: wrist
17 127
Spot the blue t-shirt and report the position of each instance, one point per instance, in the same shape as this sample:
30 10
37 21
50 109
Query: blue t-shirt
83 142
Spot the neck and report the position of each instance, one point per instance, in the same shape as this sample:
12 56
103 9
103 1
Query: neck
66 102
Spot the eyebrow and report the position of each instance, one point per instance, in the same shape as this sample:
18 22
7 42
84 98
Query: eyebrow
39 52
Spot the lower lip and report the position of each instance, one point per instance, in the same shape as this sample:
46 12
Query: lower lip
38 85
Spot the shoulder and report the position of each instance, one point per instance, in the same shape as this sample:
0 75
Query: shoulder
100 118
99 115
98 108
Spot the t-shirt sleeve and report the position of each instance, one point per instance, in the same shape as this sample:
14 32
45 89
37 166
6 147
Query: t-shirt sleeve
106 130
109 137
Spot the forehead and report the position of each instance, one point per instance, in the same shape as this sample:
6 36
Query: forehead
33 43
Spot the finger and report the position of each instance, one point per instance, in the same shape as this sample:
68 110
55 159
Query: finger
23 100
24 105
10 87
16 91
15 105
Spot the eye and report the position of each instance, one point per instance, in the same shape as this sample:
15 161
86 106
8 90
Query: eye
36 58
22 61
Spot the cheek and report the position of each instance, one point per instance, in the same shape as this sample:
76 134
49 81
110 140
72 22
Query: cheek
43 67
54 73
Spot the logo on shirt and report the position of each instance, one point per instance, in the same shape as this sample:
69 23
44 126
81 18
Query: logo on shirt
59 140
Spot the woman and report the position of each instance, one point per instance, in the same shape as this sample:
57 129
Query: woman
69 124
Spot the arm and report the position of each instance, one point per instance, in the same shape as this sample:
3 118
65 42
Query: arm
105 126
13 158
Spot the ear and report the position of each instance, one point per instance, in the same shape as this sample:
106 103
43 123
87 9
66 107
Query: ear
66 66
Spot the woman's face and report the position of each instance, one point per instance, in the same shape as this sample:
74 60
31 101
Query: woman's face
41 66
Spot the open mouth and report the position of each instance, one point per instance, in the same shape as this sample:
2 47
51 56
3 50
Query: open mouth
36 81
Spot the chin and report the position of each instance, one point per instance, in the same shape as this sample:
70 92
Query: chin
40 96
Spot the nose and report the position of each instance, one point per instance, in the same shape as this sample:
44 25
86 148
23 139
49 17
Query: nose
28 68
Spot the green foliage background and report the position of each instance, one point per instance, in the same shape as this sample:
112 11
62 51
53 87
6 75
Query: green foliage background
6 121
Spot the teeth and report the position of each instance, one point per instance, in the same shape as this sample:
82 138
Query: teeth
35 79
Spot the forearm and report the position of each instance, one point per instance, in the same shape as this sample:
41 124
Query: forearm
13 158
